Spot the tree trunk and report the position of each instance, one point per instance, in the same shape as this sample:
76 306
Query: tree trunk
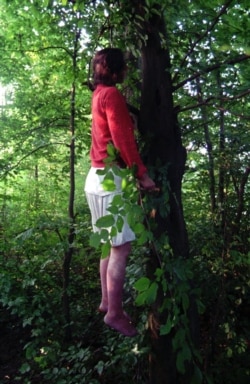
159 126
209 147
71 215
222 160
71 232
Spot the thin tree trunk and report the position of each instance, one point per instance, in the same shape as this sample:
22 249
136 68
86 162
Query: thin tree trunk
240 192
71 234
71 215
209 147
36 197
222 159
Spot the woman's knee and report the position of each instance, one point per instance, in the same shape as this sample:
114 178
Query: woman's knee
124 248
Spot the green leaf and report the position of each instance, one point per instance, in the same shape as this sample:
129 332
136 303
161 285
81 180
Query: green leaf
143 238
99 367
179 338
119 223
113 232
152 293
111 150
105 235
27 321
180 363
180 273
166 328
105 250
117 200
25 368
142 284
139 228
108 185
182 356
113 209
229 352
185 301
197 376
125 183
158 273
101 172
141 299
95 240
105 221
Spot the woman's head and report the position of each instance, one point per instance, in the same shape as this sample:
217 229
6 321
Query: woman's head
108 67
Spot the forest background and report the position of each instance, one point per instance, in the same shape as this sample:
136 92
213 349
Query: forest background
50 329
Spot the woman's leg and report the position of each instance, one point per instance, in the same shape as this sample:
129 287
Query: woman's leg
116 269
103 276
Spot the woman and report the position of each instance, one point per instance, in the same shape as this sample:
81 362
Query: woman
111 123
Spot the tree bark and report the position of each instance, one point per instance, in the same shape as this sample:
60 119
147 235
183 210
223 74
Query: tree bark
71 215
159 127
158 124
209 147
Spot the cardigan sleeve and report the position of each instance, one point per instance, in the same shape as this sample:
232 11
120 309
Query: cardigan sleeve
122 130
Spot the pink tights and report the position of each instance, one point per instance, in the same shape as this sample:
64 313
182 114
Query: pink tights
112 273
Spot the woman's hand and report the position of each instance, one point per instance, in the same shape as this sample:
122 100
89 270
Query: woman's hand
146 182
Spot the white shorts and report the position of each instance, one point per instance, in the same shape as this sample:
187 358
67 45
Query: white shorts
99 201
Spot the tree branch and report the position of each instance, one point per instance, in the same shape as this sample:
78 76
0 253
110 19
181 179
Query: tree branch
211 68
202 36
209 99
29 154
39 50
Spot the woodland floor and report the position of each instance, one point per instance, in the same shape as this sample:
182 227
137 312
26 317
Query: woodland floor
12 339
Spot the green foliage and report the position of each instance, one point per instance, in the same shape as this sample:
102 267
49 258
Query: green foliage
208 44
123 207
171 279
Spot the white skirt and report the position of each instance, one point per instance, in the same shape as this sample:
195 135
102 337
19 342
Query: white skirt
99 200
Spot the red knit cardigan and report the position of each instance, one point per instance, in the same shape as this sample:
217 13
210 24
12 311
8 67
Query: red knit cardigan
111 123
